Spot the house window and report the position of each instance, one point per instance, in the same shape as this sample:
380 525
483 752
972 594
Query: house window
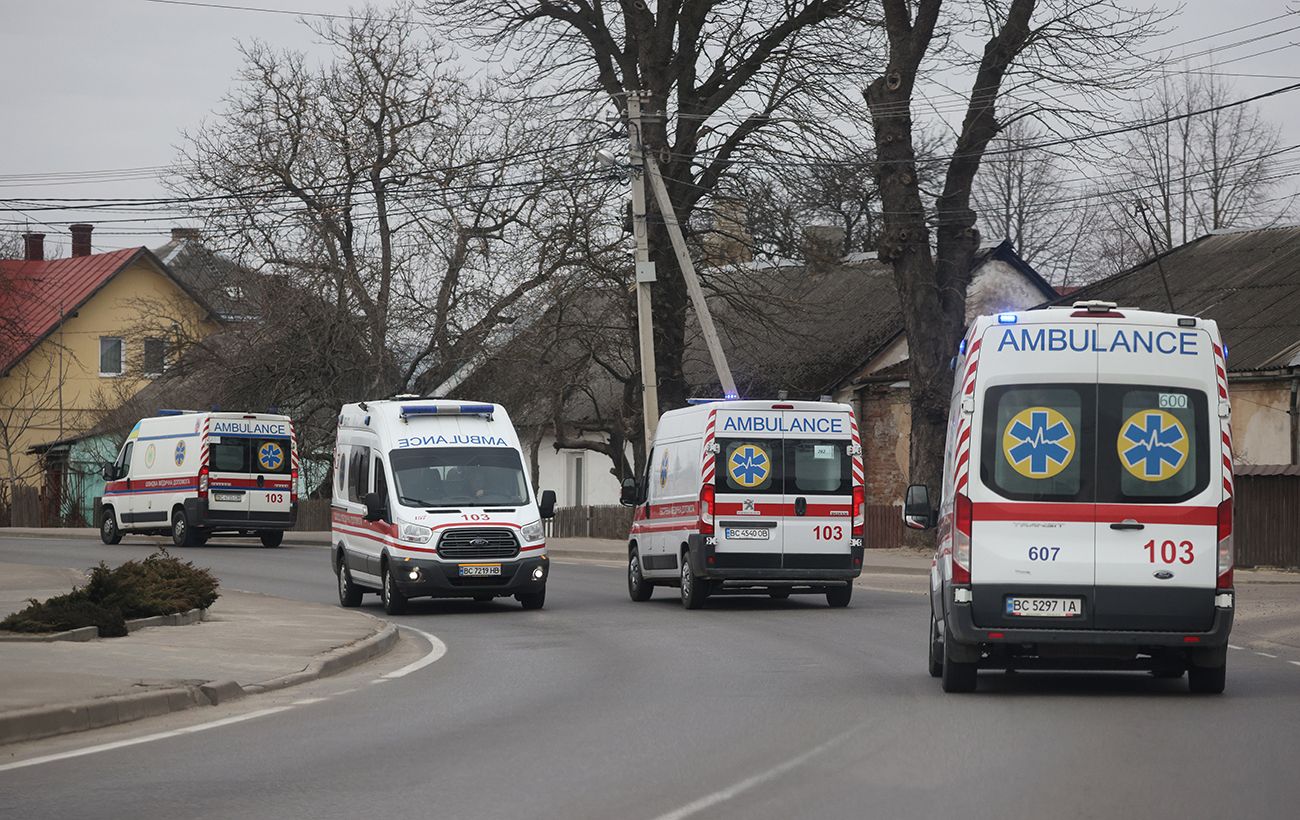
110 356
155 356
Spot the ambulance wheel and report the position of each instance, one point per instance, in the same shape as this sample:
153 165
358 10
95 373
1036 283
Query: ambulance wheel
394 600
349 593
108 531
532 600
1207 680
271 538
839 597
936 649
694 590
638 588
183 535
957 676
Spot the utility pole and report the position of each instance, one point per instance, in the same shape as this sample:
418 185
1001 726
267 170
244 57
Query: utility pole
1155 253
645 270
692 281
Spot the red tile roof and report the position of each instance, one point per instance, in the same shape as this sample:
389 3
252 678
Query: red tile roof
35 296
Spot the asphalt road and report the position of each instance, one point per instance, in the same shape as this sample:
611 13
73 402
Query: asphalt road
596 707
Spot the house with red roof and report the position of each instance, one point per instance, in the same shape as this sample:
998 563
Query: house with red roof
78 337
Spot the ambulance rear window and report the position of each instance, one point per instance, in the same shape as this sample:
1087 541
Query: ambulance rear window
816 467
1152 444
230 454
1036 443
749 466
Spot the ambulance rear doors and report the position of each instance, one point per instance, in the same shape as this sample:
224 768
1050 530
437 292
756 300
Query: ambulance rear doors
250 467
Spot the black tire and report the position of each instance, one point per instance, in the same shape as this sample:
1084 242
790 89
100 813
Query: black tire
532 600
778 596
271 538
1207 680
109 532
349 593
839 597
936 649
694 591
394 600
183 535
957 676
638 588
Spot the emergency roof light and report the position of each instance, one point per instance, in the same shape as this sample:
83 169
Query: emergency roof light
697 402
1095 306
175 412
1007 318
485 410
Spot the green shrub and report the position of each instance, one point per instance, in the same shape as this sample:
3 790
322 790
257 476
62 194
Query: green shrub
158 585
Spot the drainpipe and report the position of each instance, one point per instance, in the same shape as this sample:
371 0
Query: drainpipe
1294 411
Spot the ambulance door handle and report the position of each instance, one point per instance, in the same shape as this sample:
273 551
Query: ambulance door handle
800 506
260 481
1127 524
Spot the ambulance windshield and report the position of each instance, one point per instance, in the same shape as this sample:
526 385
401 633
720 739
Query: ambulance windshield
458 477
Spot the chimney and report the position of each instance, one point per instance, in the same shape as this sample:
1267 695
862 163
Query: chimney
193 234
81 238
823 246
34 247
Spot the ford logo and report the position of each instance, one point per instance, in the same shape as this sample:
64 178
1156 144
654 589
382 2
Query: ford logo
1164 575
482 542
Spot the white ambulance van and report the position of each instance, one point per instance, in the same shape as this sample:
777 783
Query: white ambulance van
1085 518
745 497
193 475
431 499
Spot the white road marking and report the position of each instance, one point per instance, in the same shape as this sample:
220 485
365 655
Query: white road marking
1265 655
1233 646
309 701
723 795
135 741
1294 663
436 650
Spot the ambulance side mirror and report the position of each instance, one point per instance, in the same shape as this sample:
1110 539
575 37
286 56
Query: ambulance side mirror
376 507
629 496
918 512
546 504
109 472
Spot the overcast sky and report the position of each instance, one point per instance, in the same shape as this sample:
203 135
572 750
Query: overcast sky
95 85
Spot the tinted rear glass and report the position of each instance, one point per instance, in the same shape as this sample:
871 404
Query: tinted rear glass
271 456
1037 442
1152 443
750 466
815 467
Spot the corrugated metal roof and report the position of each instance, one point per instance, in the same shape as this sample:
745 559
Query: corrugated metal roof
35 296
1247 281
1266 469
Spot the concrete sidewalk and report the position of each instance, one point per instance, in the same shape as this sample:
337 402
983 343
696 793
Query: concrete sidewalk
247 643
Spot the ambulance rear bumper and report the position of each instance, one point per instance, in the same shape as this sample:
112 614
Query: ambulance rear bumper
199 515
708 563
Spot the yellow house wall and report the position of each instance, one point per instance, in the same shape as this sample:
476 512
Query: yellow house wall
136 303
1261 426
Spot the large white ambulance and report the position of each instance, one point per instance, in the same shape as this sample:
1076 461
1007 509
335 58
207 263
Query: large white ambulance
431 499
193 475
744 497
1086 510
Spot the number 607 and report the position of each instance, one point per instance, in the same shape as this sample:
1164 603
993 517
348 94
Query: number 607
1044 553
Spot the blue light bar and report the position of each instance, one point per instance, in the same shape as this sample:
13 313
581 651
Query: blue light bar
447 410
697 402
1225 352
175 412
1007 318
961 348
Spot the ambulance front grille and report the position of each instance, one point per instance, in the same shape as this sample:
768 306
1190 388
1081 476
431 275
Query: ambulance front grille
478 542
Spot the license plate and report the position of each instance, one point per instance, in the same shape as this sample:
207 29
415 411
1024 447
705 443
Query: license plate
748 533
227 497
1044 607
479 569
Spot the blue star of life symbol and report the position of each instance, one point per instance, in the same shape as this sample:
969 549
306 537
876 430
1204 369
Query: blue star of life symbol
1039 442
749 466
1155 445
270 455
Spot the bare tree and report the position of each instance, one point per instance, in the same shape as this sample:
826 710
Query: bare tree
719 75
1031 52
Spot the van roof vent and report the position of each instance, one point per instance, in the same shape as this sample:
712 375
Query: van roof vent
1095 306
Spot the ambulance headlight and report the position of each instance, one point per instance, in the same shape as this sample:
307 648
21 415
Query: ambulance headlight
533 531
415 533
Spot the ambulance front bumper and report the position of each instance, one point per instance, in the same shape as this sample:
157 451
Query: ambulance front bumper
960 623
442 579
202 517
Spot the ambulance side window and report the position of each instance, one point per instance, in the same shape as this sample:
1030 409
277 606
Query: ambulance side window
1037 442
1152 443
124 460
358 474
381 482
644 493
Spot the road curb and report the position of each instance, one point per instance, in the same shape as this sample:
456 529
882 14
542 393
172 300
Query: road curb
48 721
85 633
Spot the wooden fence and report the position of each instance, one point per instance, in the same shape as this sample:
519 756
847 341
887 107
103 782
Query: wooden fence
884 528
313 515
25 509
1266 517
590 522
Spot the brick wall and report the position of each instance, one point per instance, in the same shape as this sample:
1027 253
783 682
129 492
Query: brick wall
885 419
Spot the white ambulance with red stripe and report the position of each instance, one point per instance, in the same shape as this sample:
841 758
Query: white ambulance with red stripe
1085 517
431 500
194 475
749 497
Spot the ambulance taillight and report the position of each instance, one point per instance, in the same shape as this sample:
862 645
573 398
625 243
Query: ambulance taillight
963 515
859 510
1225 545
706 510
203 481
293 486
